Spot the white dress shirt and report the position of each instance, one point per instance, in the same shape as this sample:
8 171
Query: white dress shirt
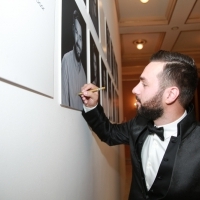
154 149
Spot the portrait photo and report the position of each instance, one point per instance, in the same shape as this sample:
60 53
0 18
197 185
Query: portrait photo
73 55
116 72
93 10
94 63
104 84
108 47
113 103
111 57
110 100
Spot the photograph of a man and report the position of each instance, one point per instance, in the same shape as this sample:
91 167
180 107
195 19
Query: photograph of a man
73 75
94 63
110 99
93 10
104 84
108 44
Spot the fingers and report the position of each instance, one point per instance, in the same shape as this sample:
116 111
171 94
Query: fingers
87 87
89 98
86 90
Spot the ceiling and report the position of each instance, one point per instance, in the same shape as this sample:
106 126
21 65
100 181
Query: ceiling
172 25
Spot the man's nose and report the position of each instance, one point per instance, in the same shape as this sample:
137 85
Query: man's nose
135 89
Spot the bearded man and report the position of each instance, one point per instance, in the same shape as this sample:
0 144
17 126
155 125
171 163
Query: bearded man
73 75
164 137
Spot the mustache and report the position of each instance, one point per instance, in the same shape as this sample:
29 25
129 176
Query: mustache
138 99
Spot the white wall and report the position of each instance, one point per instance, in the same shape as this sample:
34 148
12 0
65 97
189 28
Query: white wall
48 152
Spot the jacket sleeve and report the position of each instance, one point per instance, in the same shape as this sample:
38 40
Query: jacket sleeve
112 134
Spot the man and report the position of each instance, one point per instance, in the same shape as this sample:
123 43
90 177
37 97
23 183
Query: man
94 72
73 74
93 10
165 166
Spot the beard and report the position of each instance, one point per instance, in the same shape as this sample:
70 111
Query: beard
152 109
77 52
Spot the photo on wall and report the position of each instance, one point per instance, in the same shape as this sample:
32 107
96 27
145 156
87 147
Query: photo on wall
73 55
110 105
111 58
102 28
108 47
94 63
104 84
113 103
93 10
115 72
116 107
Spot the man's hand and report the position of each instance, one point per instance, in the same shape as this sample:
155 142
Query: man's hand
90 99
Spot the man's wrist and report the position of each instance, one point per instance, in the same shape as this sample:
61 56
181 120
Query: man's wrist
87 109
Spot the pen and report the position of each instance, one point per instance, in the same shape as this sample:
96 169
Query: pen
94 90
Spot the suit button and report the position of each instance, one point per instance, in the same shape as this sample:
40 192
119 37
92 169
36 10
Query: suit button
151 190
159 177
147 197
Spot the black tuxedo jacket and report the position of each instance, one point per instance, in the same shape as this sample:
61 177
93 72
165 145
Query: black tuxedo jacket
183 181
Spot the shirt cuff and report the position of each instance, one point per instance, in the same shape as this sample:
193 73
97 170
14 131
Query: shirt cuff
87 109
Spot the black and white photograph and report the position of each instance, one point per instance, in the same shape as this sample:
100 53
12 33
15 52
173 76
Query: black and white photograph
93 10
94 63
111 58
104 84
110 104
102 28
113 103
73 52
108 44
116 106
116 72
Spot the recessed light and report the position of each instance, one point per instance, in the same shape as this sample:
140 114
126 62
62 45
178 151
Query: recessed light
175 28
144 1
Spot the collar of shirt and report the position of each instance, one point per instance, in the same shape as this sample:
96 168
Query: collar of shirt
171 128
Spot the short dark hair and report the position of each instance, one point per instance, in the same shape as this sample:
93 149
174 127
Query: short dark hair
76 15
179 70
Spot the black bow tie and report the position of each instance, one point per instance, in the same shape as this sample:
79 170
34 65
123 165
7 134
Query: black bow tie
154 130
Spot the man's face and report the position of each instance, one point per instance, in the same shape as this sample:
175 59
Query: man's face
78 38
148 94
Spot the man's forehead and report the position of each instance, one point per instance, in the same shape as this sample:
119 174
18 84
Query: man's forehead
154 67
152 70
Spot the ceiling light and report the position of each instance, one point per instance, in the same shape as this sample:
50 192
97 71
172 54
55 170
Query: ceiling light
139 43
175 28
144 1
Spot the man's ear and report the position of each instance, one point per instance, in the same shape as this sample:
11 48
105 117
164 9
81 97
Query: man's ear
171 94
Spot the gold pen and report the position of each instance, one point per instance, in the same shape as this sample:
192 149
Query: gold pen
94 90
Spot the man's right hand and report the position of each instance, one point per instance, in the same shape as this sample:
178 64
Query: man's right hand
90 99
